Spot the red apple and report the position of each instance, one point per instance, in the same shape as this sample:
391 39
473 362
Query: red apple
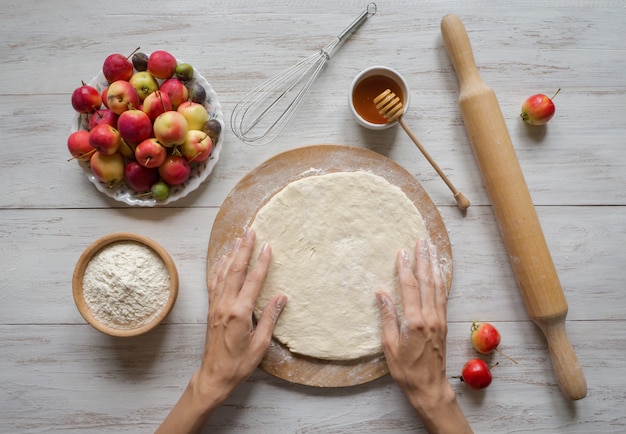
86 99
140 178
102 116
105 139
476 374
538 109
150 153
195 114
135 126
107 168
175 170
104 96
144 84
177 91
485 337
121 96
170 128
161 64
78 145
156 103
197 146
117 67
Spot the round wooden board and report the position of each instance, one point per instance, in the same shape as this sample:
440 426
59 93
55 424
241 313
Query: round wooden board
260 184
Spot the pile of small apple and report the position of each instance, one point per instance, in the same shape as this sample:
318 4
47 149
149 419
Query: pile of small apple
147 127
485 339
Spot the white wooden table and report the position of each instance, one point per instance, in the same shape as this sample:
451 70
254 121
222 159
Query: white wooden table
57 374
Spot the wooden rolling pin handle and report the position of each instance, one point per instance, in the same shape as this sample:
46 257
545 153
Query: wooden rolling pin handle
567 370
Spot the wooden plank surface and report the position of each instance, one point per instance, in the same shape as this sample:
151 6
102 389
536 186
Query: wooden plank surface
59 375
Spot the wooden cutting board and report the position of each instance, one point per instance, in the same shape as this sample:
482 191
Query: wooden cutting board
259 185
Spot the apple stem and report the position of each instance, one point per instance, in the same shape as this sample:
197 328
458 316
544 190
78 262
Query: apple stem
494 365
82 156
556 93
131 54
506 355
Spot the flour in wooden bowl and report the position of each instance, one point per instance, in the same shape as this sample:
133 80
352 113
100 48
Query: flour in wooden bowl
126 285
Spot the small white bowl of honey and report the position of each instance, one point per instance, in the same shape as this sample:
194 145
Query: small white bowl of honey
366 86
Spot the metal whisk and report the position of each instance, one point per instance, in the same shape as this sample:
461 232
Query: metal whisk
260 115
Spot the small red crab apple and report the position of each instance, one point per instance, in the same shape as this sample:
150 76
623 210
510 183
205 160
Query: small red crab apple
486 338
476 374
538 109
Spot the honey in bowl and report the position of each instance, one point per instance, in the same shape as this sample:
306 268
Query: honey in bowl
369 88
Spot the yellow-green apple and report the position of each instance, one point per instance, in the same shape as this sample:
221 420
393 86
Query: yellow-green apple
160 190
150 153
144 84
161 64
102 116
195 114
156 103
177 91
127 151
175 170
121 96
86 99
170 128
117 67
105 139
140 178
184 72
78 145
197 146
107 168
135 126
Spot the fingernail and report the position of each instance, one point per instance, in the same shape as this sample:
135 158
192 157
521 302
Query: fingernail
264 248
280 303
404 254
381 299
237 243
423 248
249 233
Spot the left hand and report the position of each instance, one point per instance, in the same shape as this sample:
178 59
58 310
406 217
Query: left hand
234 347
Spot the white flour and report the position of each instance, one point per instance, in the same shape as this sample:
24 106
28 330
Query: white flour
126 285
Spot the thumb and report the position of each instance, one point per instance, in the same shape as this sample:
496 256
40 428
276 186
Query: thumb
389 317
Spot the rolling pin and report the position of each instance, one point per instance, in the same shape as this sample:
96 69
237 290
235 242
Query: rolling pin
513 208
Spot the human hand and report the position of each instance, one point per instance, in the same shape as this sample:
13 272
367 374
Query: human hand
234 347
415 343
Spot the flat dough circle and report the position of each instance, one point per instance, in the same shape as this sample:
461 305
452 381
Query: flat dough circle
334 239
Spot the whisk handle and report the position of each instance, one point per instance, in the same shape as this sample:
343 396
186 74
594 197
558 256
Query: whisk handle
368 12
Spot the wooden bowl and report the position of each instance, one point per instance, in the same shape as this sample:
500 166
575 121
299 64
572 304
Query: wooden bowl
90 316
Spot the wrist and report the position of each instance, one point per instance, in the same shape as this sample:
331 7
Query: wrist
207 393
439 410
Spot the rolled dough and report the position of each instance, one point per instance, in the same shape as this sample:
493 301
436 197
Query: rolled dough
334 240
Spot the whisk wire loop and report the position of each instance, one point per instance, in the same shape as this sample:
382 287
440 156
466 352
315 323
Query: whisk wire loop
263 112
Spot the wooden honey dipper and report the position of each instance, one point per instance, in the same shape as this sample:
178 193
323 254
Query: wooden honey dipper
390 107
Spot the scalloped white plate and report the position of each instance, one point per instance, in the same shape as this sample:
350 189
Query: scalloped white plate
199 171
